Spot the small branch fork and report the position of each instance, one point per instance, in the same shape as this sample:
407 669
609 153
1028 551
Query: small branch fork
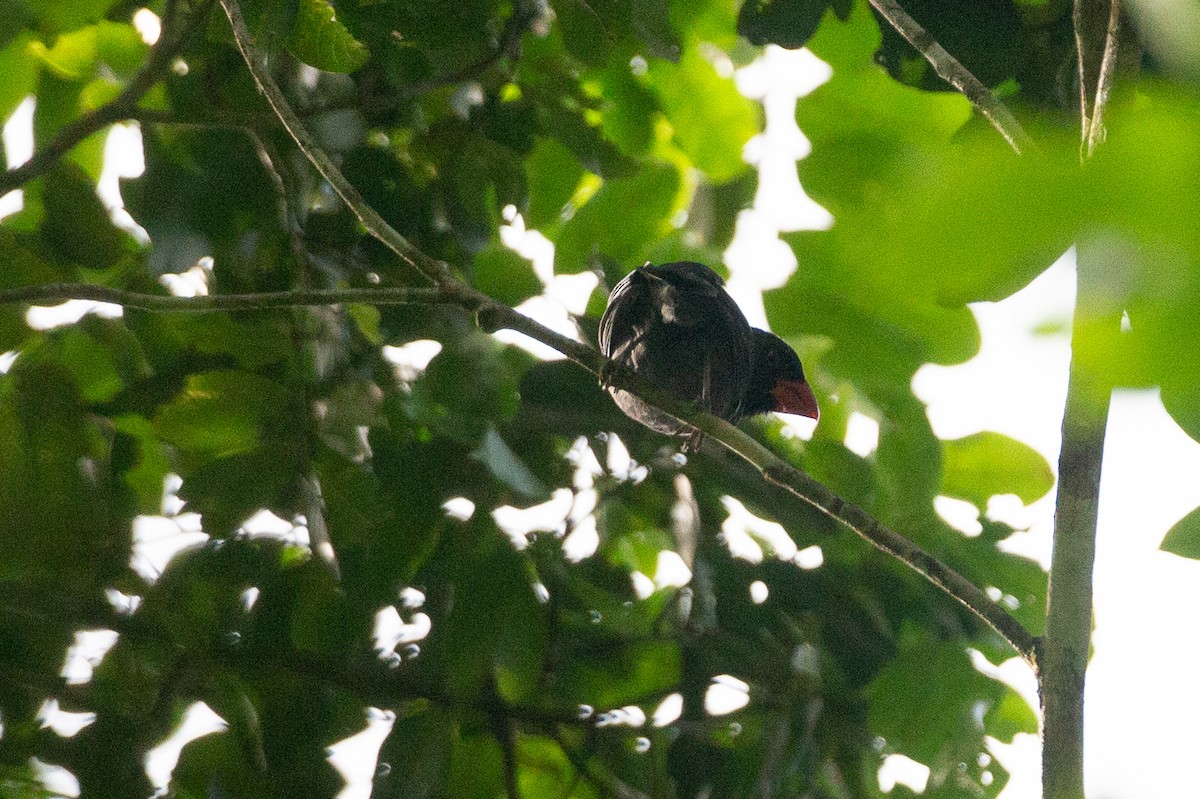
125 105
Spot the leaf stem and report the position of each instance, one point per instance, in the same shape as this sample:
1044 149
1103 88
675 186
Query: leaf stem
953 72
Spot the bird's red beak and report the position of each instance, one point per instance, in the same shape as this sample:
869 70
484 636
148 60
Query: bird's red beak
795 397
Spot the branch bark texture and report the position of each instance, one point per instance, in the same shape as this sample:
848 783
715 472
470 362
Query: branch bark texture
1097 30
1064 651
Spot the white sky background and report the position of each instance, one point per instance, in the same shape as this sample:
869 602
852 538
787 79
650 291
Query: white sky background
1142 701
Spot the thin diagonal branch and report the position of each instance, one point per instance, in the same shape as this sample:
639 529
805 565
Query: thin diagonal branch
122 107
953 72
1097 27
432 270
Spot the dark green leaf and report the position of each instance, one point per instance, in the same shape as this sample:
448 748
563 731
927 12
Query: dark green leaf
787 23
916 701
505 276
553 175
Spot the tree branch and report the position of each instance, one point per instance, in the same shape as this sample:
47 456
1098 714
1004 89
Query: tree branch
953 72
1064 651
48 293
1093 123
122 107
493 316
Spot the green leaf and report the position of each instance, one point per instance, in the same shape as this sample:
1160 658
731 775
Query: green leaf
320 40
787 23
469 385
89 362
77 227
712 120
1009 716
584 31
219 414
619 219
60 16
979 466
476 768
59 517
145 465
916 701
495 629
508 468
1183 539
504 275
651 21
553 174
20 73
630 110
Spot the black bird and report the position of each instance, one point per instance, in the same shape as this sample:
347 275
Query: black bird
677 328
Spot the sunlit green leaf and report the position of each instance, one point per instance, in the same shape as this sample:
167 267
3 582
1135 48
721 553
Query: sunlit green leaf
1183 538
712 120
319 39
619 219
982 465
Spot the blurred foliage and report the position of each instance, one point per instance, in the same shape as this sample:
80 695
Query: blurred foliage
616 130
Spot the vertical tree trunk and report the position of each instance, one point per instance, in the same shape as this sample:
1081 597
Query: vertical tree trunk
1063 652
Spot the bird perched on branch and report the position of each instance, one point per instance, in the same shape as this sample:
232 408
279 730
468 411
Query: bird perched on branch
677 328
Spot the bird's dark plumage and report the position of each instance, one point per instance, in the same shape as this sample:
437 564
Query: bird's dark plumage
676 327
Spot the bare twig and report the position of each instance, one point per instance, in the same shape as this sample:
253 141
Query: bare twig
318 531
953 72
1097 27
